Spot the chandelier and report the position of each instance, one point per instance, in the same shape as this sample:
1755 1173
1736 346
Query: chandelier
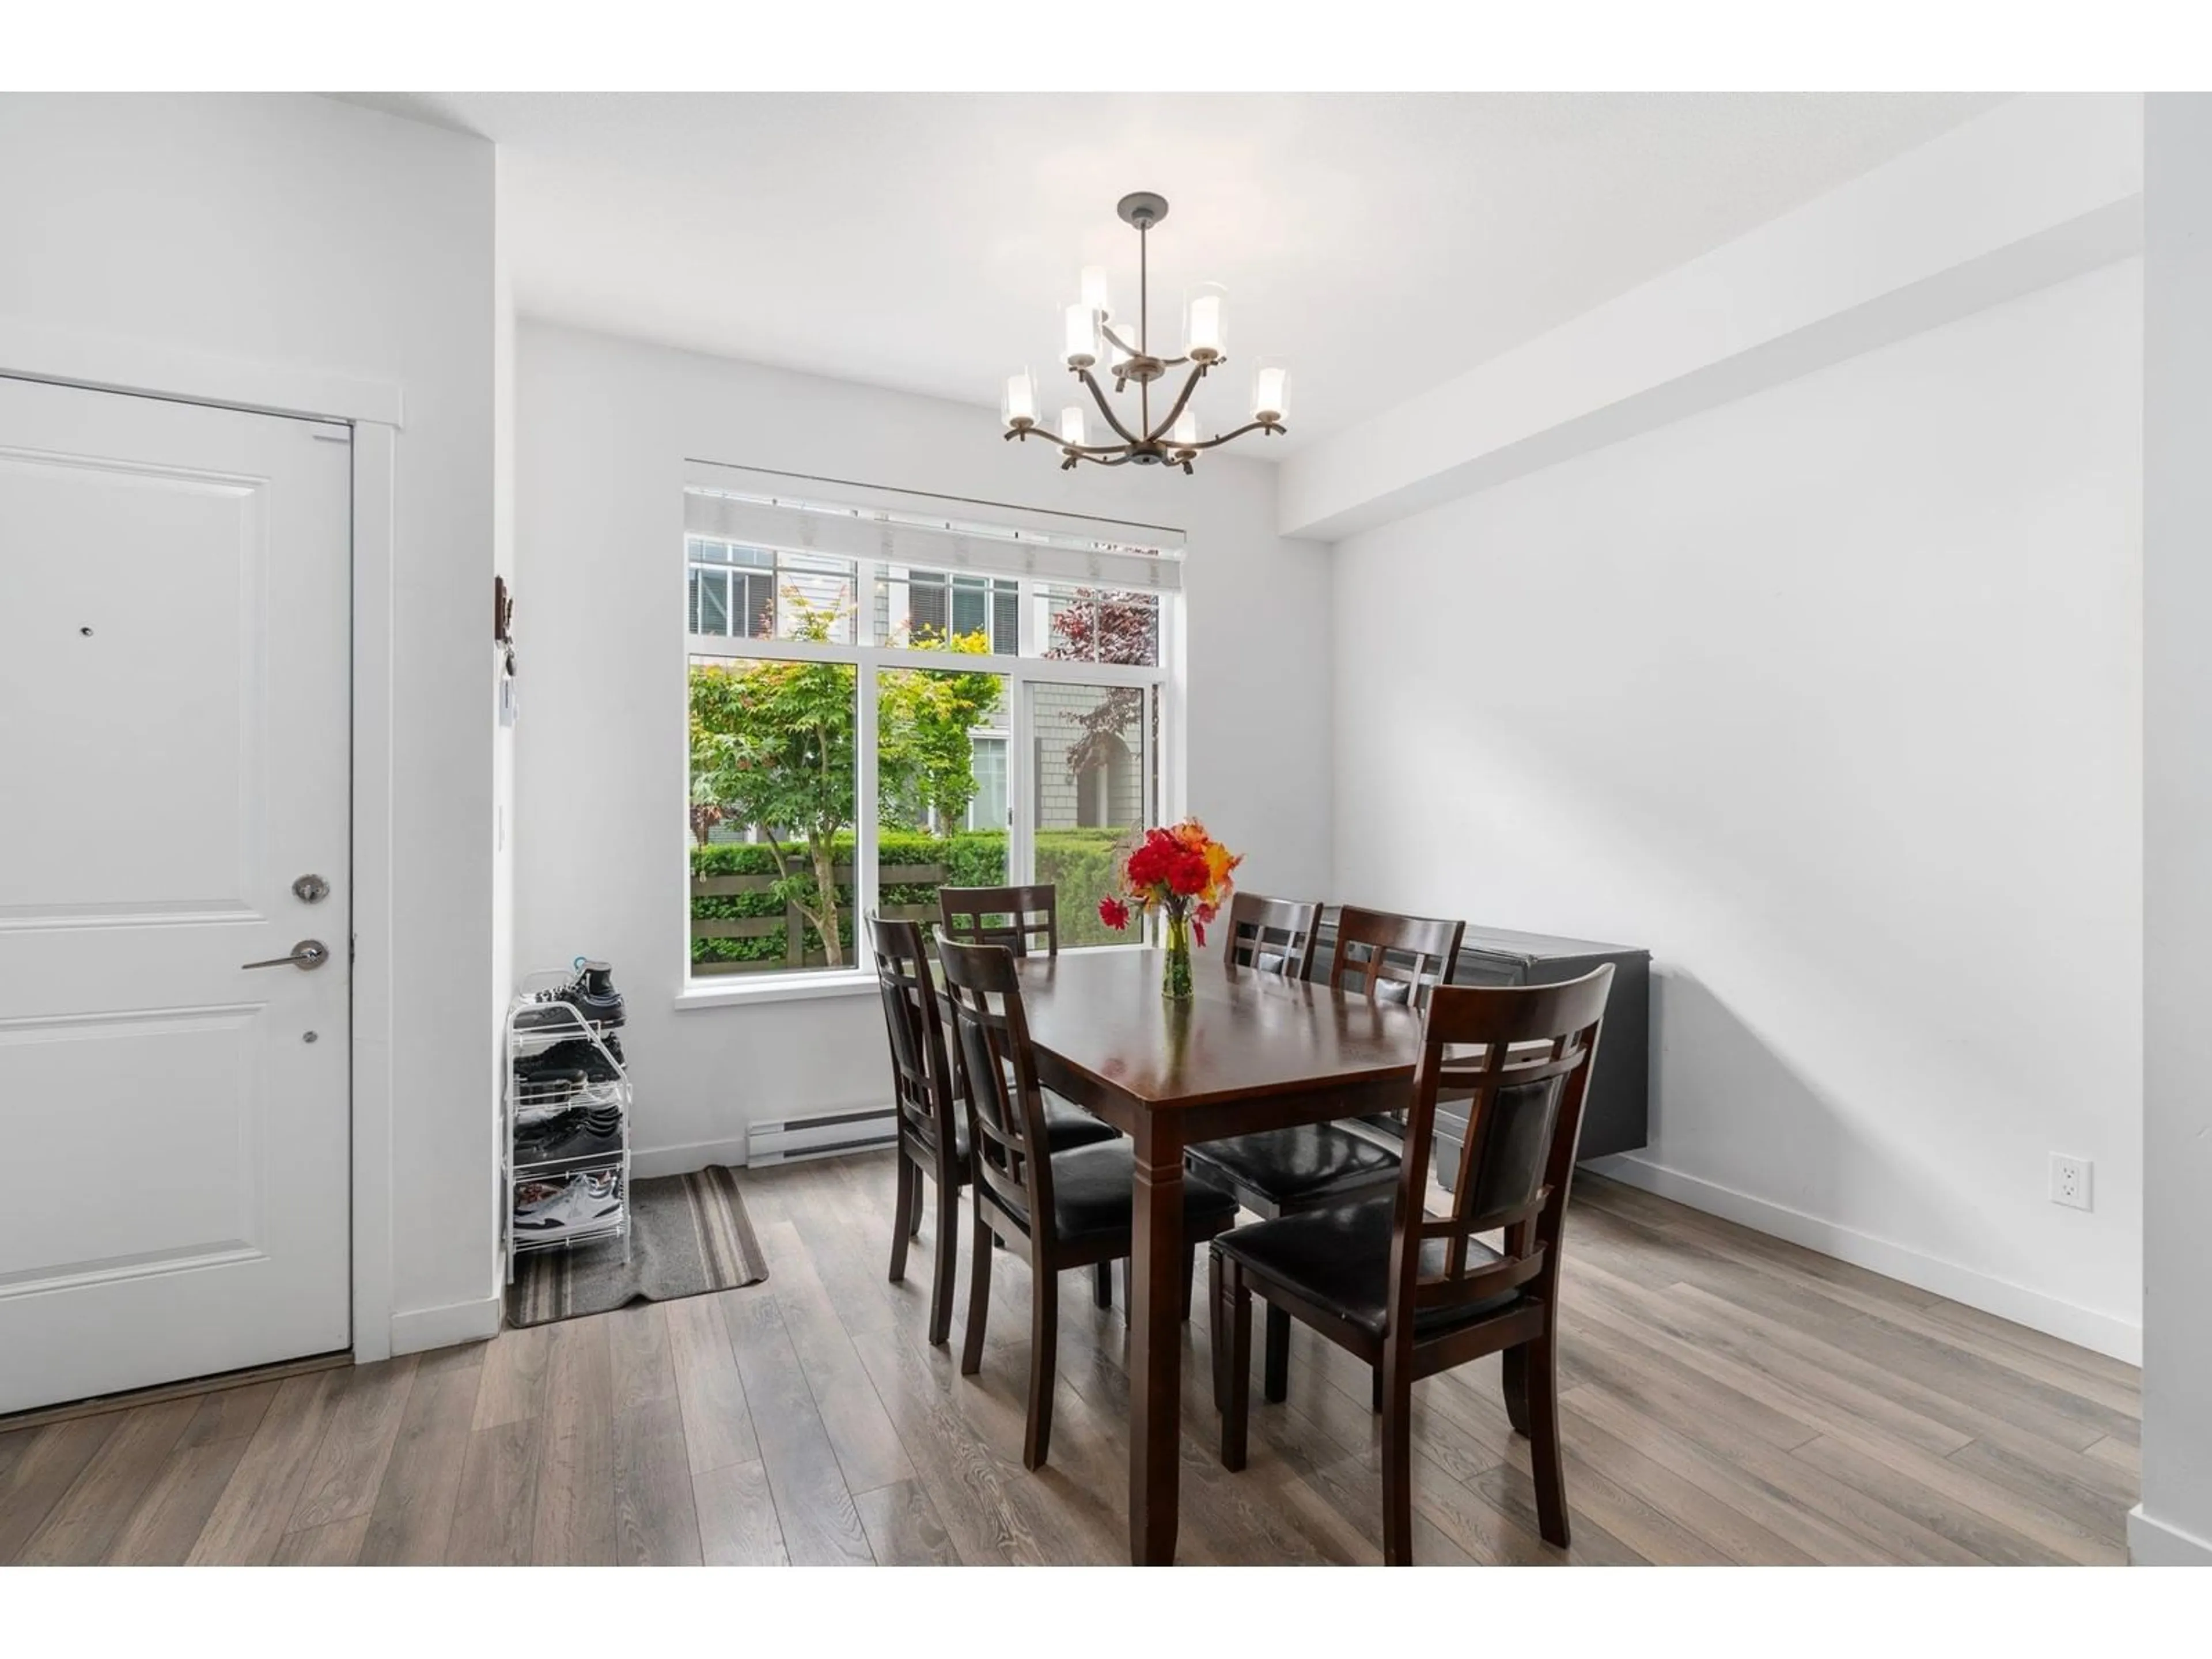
1094 330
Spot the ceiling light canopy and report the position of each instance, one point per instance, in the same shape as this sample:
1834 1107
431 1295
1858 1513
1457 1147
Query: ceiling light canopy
1092 331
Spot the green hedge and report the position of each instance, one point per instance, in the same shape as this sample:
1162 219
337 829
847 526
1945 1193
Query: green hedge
1080 862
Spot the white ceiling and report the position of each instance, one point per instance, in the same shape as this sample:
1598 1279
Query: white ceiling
1383 243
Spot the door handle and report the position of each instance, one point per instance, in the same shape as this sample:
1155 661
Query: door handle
308 953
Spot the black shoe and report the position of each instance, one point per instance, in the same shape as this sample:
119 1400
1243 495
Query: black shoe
592 994
534 1144
596 1133
576 1060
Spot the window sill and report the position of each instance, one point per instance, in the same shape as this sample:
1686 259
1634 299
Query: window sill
736 991
774 987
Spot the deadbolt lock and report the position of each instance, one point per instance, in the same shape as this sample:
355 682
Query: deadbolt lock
310 890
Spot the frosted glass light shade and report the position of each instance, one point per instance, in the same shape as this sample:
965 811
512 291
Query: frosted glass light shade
1082 334
1018 403
1185 432
1206 323
1271 391
1094 290
1072 430
1116 355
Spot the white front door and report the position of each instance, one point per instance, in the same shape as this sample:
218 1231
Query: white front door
174 742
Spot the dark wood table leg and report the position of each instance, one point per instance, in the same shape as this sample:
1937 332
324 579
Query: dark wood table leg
1156 1341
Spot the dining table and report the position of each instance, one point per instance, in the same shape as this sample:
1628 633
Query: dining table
1249 1051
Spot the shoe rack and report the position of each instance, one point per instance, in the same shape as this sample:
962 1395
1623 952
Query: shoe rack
536 1027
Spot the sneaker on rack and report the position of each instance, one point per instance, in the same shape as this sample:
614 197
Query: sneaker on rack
595 1134
537 1105
544 1209
539 1144
577 1059
591 993
597 1198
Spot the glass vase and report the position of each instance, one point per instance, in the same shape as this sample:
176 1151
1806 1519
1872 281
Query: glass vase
1174 972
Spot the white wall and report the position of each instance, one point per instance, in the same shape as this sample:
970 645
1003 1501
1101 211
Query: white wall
2174 1522
502 735
295 232
604 428
1830 697
2043 187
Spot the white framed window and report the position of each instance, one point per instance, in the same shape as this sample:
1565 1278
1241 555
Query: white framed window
914 703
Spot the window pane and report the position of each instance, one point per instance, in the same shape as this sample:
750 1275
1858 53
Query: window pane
970 596
816 597
772 814
1102 624
754 615
925 609
915 604
990 808
1093 782
932 769
713 602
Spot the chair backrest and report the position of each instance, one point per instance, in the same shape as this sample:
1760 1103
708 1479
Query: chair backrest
1395 958
1521 1056
1010 1158
921 1077
1020 918
1272 935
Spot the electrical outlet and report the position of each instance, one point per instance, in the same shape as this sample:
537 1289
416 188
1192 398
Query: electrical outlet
2070 1180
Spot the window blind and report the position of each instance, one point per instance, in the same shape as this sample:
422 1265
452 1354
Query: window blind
1029 543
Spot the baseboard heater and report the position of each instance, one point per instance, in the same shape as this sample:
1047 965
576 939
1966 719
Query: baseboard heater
822 1135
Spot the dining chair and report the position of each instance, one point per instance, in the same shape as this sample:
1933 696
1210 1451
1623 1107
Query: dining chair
1272 935
1416 1294
932 1124
1019 918
1056 1208
1279 1172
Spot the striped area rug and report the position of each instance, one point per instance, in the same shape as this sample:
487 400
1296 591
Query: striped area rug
688 1235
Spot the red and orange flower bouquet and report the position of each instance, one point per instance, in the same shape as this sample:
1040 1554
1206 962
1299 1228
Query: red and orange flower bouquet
1183 872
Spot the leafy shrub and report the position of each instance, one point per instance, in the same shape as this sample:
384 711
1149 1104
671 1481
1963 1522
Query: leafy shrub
1080 862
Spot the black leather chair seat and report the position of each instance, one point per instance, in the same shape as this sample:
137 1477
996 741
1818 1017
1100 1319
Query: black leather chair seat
1339 1259
1065 1126
1298 1168
1093 1191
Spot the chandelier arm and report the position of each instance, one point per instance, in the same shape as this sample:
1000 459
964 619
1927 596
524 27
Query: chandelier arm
1270 426
1089 452
1098 395
1168 421
1107 329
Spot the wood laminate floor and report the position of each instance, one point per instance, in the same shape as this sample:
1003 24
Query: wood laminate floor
1726 1398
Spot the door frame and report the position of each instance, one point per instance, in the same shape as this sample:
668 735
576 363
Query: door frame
374 410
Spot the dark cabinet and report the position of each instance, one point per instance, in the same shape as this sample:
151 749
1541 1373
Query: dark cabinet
1616 1117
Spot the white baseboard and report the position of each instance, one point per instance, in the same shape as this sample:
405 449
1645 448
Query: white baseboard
2155 1543
2048 1314
649 1161
420 1329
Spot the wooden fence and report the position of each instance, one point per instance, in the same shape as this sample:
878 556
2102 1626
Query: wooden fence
792 923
